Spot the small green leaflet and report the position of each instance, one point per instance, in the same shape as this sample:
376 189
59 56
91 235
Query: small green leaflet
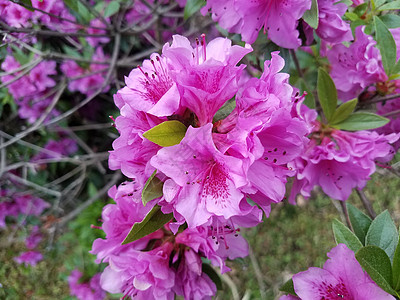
168 133
311 15
153 189
191 7
396 269
344 235
344 111
383 233
327 93
391 20
153 221
386 45
359 221
111 9
361 121
288 287
207 269
377 264
390 6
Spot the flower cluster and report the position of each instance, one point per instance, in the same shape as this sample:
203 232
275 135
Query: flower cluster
90 290
220 161
339 161
161 264
35 96
16 205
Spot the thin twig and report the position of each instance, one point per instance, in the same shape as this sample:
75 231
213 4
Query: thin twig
117 176
34 185
382 99
296 63
367 204
91 97
392 113
257 272
346 214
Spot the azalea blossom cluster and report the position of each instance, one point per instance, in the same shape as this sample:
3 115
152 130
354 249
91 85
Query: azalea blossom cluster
14 206
338 160
215 168
161 264
90 290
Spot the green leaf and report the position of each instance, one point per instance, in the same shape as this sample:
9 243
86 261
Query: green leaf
311 15
153 221
27 3
345 235
80 9
166 134
225 110
351 16
191 7
327 93
361 9
288 287
361 121
377 264
359 221
386 45
390 6
396 268
396 68
153 189
377 3
391 20
383 233
210 272
111 9
344 111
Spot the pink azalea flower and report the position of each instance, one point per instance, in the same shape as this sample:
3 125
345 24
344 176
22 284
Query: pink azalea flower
191 282
34 238
207 75
341 278
209 180
118 219
265 134
331 27
85 291
88 80
356 67
94 41
30 205
279 18
132 152
17 16
340 161
57 149
150 88
394 125
144 274
29 258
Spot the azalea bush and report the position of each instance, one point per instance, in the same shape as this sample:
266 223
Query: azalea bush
142 141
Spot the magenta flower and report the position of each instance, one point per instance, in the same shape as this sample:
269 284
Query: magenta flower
209 180
191 282
95 41
356 67
16 15
34 238
207 75
29 258
118 219
146 275
341 278
86 80
331 27
132 152
57 149
90 290
150 89
279 18
340 161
